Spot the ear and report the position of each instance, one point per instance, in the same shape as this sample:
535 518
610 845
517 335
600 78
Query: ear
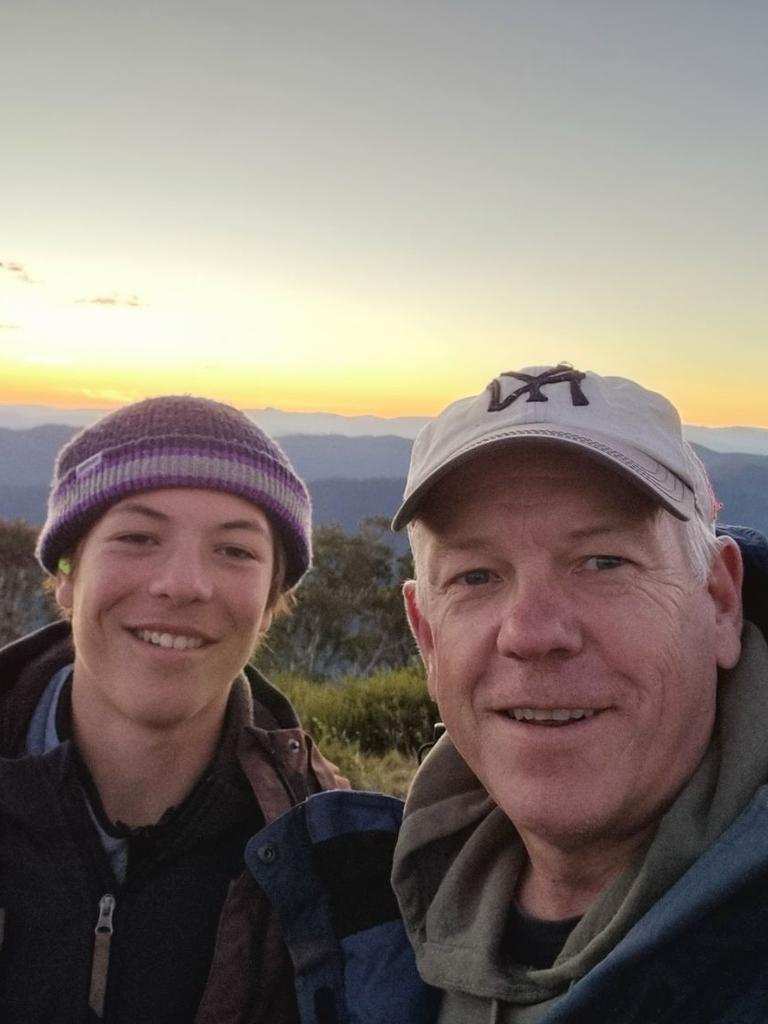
724 586
266 622
422 633
64 592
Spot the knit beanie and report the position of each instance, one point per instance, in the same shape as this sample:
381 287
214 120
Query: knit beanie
174 441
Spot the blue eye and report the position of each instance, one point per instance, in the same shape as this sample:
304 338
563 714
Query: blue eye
601 563
476 577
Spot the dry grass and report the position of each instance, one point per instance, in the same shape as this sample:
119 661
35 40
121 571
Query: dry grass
389 773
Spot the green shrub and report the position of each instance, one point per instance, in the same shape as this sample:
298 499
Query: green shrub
387 712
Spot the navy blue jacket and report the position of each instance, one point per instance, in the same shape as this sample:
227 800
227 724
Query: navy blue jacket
325 866
754 552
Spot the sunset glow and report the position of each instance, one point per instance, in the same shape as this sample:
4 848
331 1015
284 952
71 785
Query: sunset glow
363 210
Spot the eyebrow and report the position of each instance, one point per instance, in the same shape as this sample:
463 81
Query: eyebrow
466 543
244 524
139 508
618 525
142 510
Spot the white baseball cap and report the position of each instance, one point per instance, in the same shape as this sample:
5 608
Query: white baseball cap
634 431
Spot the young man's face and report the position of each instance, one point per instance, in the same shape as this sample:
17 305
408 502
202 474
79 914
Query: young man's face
168 598
572 653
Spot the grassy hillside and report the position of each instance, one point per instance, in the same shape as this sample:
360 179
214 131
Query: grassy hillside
371 728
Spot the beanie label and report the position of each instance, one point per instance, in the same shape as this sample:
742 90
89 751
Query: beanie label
88 465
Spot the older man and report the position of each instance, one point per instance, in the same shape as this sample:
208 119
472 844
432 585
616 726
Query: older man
588 841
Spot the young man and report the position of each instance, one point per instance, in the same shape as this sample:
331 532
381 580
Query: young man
141 751
586 843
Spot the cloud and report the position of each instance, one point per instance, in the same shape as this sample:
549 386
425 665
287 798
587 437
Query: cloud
114 299
18 270
9 327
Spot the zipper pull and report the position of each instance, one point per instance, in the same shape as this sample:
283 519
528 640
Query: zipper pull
101 947
106 910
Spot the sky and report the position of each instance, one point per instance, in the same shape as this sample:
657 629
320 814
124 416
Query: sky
375 207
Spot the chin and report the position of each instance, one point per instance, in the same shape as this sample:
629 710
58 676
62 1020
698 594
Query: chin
164 715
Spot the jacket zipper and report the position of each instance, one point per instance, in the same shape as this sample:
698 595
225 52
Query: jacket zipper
101 947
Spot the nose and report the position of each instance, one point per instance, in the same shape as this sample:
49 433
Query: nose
182 577
540 618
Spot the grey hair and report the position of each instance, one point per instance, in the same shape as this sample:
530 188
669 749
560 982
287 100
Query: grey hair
413 527
701 544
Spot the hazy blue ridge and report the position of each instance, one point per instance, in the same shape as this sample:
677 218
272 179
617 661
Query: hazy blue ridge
748 440
351 478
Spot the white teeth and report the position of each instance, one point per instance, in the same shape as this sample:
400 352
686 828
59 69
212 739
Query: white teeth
169 640
550 714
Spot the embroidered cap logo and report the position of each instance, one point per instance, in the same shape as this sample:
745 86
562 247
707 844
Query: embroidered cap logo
561 374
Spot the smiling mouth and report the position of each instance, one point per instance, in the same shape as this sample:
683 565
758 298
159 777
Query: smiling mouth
169 641
551 716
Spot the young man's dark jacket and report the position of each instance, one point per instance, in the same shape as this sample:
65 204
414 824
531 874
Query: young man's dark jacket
194 938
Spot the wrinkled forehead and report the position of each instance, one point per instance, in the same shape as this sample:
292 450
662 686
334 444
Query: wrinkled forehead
532 475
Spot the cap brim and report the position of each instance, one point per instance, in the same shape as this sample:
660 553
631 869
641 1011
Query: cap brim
646 473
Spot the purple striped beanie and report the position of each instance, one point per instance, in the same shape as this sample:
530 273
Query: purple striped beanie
174 441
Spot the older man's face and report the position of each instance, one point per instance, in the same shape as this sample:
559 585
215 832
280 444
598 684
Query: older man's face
572 653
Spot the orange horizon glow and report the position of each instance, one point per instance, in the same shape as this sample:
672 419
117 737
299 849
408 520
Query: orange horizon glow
698 410
56 396
303 349
347 360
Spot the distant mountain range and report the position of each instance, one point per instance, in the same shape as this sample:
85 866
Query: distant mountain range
274 421
350 477
748 440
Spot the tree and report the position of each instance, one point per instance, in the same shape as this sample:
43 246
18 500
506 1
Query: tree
348 618
24 605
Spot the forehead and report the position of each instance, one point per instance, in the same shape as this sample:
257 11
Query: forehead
538 478
191 506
